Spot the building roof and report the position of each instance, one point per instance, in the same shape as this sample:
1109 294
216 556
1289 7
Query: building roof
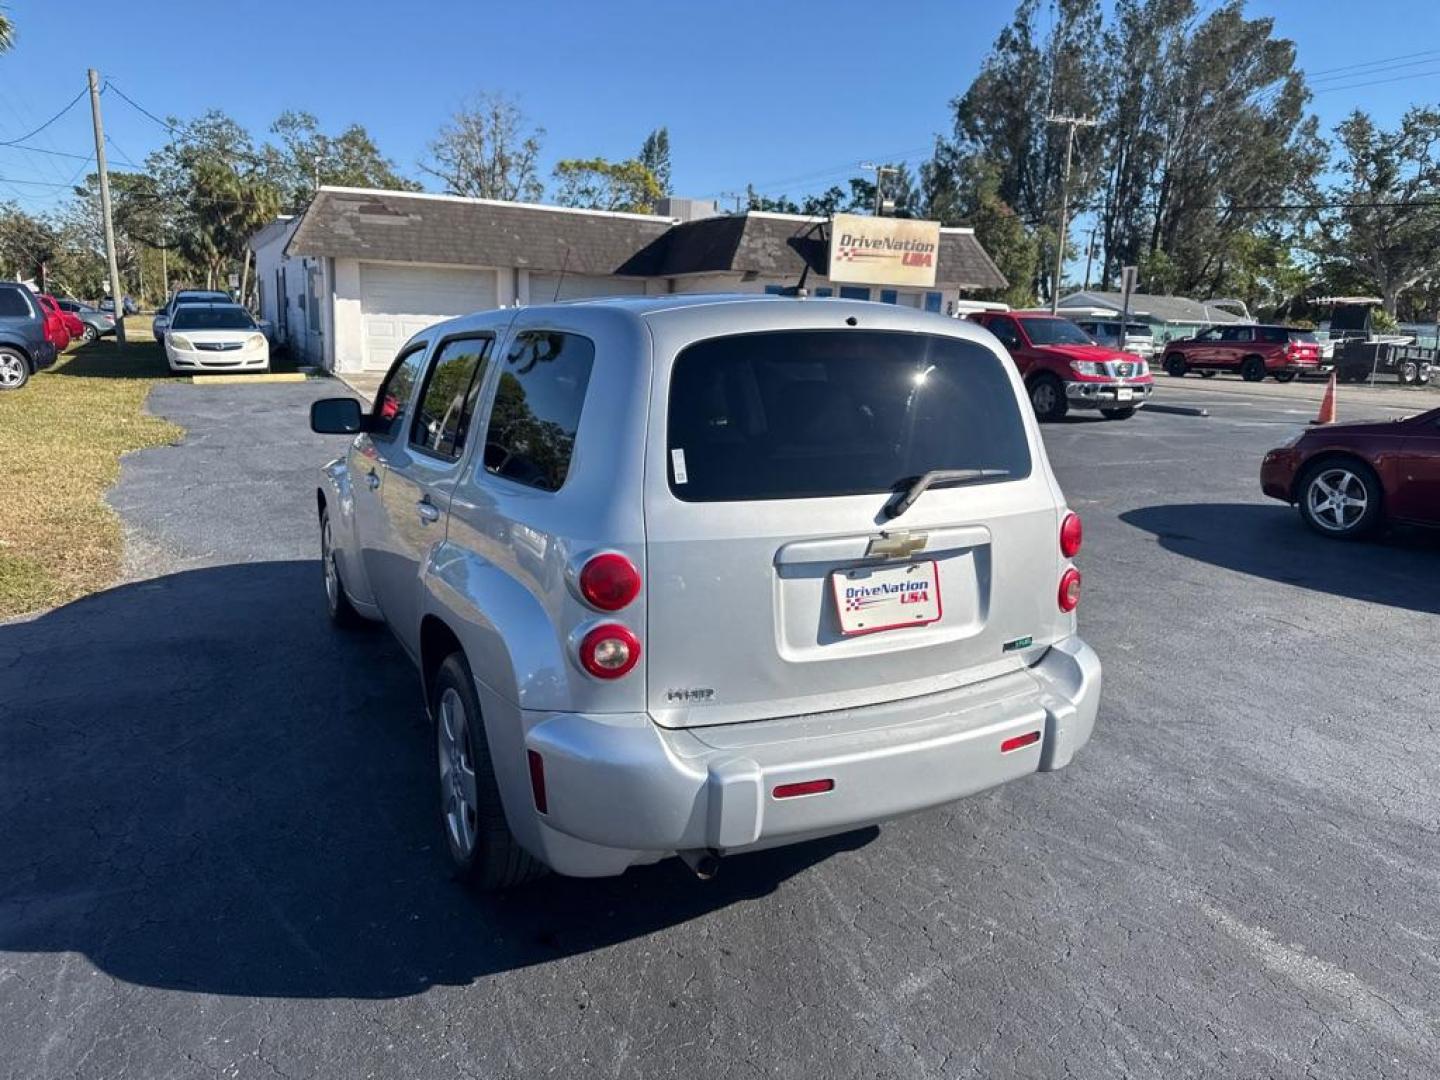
765 244
394 226
1163 309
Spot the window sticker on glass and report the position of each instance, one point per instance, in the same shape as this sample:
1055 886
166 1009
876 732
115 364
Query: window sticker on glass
677 463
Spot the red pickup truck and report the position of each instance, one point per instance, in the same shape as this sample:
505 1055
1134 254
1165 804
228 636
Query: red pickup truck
1064 368
1253 351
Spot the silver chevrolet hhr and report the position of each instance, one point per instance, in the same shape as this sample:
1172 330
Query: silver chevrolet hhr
699 575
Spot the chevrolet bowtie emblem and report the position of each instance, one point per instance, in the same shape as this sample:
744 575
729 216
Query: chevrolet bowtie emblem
898 545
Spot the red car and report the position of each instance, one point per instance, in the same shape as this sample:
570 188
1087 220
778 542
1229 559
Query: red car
1064 368
1349 478
1252 351
73 326
56 332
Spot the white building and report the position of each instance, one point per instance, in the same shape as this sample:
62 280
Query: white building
348 281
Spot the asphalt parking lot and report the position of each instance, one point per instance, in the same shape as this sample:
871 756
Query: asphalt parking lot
219 853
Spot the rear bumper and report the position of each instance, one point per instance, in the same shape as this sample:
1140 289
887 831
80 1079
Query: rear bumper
622 790
1106 395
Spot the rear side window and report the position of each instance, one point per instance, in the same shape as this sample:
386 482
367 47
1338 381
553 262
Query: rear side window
388 417
1274 335
531 436
12 304
1304 336
815 413
448 400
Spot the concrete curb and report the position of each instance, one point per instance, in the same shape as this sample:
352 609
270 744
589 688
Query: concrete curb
1178 410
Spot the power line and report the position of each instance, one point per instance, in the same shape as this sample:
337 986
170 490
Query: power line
52 153
1373 63
32 183
1378 82
30 135
110 84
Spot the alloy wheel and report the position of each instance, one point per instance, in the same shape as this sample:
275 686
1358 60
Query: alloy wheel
459 799
12 371
1043 397
1337 499
327 559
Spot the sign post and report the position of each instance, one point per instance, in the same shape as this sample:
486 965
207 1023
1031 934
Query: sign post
1128 274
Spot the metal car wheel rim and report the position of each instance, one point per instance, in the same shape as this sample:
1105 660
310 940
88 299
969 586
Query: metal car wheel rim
12 370
327 558
89 334
1043 397
1337 499
460 804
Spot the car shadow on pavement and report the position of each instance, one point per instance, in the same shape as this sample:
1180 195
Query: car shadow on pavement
204 787
1400 569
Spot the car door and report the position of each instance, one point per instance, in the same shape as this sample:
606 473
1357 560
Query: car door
1235 343
368 462
421 471
1204 352
1008 331
1417 473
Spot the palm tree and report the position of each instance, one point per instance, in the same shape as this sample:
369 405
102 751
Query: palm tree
7 32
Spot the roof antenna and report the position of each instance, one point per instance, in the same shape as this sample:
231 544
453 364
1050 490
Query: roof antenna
561 281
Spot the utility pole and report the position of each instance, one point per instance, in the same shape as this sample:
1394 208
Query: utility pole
880 170
117 294
1071 123
1089 255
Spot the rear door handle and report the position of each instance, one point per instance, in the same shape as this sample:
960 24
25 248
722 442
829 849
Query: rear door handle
372 478
428 511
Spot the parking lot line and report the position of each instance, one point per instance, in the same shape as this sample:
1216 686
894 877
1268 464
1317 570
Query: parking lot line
269 377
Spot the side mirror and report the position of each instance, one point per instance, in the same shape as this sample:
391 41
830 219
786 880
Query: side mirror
336 416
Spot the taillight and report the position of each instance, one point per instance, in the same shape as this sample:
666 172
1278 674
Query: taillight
609 651
1069 597
1071 535
609 581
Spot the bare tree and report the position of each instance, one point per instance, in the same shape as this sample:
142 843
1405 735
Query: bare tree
486 152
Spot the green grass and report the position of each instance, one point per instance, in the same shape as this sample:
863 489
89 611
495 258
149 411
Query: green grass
61 437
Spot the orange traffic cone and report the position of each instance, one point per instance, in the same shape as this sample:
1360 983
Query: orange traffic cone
1326 414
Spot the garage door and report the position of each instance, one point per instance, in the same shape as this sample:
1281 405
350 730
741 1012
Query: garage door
398 301
579 287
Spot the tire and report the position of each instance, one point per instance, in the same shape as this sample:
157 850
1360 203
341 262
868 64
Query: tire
1252 369
1424 377
1284 376
1352 479
342 612
1118 414
88 336
485 854
1408 373
1175 366
1047 397
1208 374
14 369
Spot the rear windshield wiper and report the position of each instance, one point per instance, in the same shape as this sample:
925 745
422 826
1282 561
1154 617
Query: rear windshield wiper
940 476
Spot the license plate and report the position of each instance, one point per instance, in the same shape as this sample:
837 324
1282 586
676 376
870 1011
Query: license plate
1124 394
871 598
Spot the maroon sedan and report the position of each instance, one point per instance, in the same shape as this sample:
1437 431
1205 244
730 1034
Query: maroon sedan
1348 478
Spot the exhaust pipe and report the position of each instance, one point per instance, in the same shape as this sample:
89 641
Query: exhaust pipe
703 862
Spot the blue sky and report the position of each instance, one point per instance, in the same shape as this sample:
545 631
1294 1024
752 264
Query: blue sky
788 96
